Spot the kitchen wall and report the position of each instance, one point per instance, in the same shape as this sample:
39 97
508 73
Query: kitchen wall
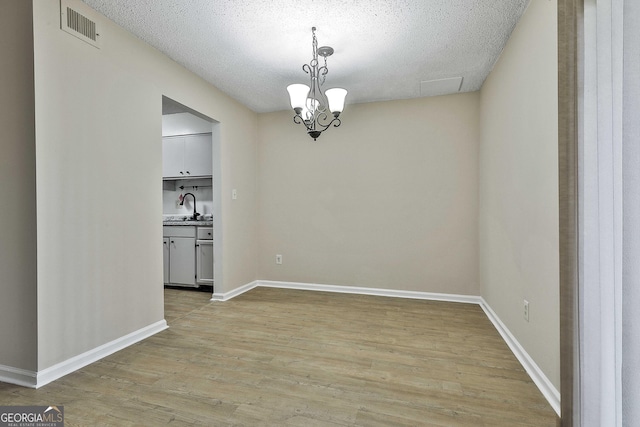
519 186
183 124
387 200
98 129
18 258
201 188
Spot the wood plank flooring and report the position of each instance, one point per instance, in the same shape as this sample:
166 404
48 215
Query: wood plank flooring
276 357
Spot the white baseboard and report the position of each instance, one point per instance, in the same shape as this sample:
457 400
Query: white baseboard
73 364
225 296
537 376
21 377
394 293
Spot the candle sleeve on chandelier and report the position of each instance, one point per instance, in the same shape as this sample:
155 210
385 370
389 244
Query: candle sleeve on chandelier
298 96
336 97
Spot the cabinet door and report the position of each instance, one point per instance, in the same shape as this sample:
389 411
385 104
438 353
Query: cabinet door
173 157
182 260
204 261
198 158
165 259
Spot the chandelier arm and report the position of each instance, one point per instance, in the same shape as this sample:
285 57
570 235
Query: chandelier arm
298 119
312 131
335 122
321 123
321 118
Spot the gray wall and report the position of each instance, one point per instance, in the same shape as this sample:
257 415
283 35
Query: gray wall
99 174
519 234
18 314
387 200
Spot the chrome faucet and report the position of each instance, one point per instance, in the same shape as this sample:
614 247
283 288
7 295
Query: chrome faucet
195 214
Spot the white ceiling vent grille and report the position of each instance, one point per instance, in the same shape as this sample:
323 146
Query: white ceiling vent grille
77 24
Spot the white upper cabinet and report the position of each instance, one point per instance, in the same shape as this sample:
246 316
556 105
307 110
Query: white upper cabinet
197 155
173 156
187 156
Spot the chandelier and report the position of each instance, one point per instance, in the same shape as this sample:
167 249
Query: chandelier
311 105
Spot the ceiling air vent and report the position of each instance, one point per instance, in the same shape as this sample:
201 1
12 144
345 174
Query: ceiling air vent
77 24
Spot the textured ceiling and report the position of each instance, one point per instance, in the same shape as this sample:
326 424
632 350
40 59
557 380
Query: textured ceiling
253 49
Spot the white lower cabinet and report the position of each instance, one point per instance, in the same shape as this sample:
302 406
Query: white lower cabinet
180 255
188 255
182 261
204 255
204 261
165 259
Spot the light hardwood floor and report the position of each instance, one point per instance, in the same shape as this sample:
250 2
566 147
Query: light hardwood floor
276 357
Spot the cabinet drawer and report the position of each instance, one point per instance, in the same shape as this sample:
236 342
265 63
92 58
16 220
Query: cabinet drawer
178 231
205 233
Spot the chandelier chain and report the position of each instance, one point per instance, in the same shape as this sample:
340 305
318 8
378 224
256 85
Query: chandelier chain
314 45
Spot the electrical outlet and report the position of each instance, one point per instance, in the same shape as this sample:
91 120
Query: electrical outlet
526 310
278 259
234 194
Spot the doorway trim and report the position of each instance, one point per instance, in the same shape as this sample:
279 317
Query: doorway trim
570 78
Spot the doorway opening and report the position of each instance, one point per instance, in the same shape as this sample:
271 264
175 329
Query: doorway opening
191 198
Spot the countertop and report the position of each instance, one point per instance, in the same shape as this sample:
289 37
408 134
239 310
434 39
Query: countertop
182 220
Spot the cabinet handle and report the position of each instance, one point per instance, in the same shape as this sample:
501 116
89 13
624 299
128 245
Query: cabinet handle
181 173
189 173
209 234
172 241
